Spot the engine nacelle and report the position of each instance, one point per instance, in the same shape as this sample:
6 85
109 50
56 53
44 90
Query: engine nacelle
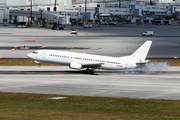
74 65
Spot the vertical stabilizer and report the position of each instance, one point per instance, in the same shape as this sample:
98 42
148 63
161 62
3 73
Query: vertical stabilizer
140 54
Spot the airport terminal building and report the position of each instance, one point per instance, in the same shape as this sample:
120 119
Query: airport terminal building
76 9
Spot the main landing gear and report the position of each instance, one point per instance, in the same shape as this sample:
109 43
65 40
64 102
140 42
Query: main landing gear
90 71
39 65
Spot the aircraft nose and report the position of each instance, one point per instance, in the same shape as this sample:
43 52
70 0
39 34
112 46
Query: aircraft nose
28 55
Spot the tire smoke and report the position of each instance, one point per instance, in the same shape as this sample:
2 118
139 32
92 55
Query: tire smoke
156 67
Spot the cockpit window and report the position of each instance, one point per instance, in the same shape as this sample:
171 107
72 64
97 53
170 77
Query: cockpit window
35 52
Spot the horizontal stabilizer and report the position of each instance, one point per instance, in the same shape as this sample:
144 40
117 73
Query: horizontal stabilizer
142 62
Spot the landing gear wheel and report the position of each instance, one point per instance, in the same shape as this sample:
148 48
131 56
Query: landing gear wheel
89 71
39 65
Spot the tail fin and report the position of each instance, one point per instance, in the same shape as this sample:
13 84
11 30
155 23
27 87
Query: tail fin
141 53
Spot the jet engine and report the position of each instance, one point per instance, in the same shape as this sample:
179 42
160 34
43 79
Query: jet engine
74 65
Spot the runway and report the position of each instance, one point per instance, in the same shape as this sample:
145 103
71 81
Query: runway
156 84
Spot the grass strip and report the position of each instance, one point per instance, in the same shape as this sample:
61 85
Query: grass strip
22 62
29 62
39 107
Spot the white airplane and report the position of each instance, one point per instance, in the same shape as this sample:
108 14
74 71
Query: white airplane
82 60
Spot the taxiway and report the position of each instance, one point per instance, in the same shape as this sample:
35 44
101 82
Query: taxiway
116 41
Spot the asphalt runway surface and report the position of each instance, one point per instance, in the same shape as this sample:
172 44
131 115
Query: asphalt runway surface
152 84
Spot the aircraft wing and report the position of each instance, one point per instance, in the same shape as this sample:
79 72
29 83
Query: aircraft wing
92 65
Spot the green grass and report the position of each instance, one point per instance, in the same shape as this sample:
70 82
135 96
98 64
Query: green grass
22 62
172 62
29 62
16 106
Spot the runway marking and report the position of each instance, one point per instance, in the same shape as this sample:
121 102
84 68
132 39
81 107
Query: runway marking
14 47
44 46
58 98
175 57
96 48
29 41
72 47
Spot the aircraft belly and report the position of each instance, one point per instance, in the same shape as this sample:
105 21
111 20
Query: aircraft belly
111 67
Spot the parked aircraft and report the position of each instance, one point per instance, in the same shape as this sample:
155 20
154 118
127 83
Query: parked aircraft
89 61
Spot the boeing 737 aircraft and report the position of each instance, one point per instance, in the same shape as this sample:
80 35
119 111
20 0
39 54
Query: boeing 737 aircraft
82 60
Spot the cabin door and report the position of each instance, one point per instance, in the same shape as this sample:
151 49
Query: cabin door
44 55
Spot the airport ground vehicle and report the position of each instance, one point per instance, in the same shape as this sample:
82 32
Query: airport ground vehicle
104 23
87 25
112 23
150 33
74 31
21 25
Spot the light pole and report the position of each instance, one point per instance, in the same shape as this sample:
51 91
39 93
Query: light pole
85 8
163 7
31 13
80 12
150 2
84 17
54 5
